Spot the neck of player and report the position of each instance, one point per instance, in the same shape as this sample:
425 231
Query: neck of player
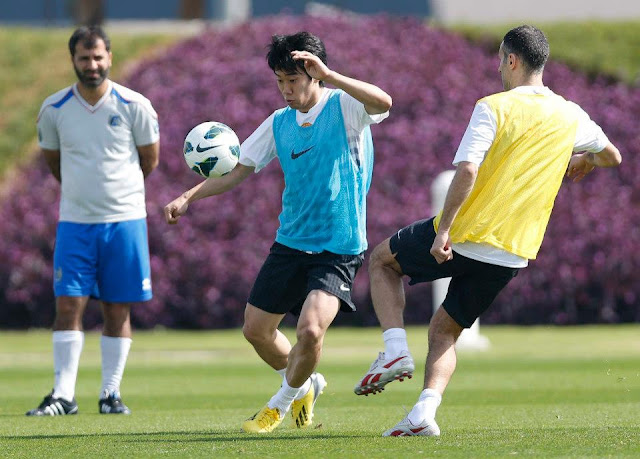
93 94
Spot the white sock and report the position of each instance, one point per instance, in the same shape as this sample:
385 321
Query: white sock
427 405
304 388
114 357
284 398
395 341
67 347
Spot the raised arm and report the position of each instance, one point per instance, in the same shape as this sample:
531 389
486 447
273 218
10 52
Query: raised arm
210 187
375 100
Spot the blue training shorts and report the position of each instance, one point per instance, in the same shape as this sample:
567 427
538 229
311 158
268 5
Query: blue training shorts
108 261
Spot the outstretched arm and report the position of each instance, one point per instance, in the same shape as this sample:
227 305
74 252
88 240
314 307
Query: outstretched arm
461 186
210 187
583 163
375 100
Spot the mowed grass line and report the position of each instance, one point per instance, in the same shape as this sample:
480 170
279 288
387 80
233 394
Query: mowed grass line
538 392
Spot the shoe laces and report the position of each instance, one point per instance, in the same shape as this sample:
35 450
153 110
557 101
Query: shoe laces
377 361
268 417
113 395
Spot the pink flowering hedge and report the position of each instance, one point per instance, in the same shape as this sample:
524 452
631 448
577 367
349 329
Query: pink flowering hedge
204 267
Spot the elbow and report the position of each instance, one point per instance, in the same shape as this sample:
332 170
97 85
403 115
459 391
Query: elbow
387 102
610 156
468 169
613 157
382 105
617 157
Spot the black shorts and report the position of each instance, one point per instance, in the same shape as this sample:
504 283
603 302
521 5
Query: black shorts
288 275
474 284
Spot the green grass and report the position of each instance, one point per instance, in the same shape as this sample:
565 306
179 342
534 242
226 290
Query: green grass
35 63
538 392
609 48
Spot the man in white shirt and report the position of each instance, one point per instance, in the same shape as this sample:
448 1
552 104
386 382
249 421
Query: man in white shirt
100 140
509 167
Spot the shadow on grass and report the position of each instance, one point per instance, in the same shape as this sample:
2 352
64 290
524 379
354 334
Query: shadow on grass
226 435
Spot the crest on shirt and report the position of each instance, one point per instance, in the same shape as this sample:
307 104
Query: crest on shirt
306 124
115 120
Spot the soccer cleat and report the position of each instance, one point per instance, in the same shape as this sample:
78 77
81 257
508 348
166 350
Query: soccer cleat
111 403
406 428
302 408
52 406
263 421
383 371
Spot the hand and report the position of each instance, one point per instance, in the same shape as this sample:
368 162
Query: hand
312 64
441 248
579 167
175 209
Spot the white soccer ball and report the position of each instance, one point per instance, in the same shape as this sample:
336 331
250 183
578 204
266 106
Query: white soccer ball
211 149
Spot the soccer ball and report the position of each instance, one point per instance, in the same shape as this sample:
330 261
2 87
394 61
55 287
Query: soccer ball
211 149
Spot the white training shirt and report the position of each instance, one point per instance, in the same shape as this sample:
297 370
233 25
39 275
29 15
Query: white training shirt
260 147
99 163
474 146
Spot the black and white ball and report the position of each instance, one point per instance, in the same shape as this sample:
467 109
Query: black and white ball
211 149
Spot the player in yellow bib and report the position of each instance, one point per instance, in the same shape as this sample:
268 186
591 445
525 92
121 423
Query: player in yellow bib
509 166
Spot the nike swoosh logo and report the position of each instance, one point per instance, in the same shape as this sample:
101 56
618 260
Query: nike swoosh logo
344 288
295 155
199 149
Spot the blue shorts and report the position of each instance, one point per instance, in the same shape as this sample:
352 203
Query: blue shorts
108 261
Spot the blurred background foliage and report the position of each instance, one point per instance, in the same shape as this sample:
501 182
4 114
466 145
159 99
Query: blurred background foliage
203 268
35 63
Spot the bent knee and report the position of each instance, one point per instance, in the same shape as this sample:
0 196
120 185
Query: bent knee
310 335
382 258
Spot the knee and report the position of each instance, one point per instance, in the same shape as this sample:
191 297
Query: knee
381 258
310 335
68 314
443 327
255 334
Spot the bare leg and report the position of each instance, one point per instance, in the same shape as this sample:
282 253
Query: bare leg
261 330
387 291
117 320
318 311
441 358
69 312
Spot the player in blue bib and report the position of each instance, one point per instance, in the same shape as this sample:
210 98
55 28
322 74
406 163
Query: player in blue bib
323 142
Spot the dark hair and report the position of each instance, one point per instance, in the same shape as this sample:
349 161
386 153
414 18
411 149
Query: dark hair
89 35
279 55
528 43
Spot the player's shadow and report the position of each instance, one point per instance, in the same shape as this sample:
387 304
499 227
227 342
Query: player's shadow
183 436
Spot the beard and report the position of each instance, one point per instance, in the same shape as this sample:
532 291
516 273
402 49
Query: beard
91 81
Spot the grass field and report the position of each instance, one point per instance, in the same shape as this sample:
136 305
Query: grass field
538 392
